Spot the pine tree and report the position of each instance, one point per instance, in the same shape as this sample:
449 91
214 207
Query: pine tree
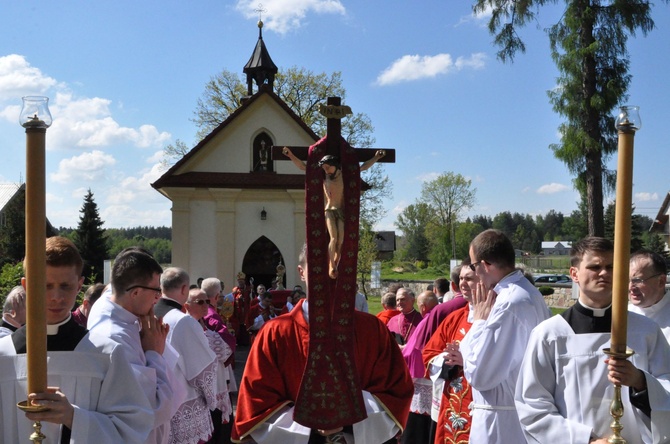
90 239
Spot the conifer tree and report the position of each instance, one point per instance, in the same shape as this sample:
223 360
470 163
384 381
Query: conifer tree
90 239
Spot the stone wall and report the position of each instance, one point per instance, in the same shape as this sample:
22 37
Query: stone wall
561 298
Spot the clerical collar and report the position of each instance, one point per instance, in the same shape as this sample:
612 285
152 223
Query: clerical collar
52 329
595 312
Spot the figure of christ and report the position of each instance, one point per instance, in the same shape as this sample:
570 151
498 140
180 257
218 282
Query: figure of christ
333 191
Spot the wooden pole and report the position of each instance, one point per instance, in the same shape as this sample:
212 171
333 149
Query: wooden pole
622 227
35 272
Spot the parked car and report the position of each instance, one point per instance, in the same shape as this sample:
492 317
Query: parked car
553 279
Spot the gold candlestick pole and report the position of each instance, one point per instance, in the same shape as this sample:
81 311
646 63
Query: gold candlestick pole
627 122
35 118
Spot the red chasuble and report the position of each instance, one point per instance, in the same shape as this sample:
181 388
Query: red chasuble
273 371
454 422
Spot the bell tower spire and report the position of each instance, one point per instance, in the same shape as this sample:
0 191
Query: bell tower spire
260 67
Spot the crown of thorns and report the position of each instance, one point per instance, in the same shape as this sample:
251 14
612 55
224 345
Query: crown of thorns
329 160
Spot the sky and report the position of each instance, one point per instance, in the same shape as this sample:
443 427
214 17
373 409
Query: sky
124 77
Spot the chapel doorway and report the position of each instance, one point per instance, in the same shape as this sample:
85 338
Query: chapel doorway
260 262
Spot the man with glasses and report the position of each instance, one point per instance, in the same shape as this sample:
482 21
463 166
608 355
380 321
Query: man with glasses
565 387
646 292
197 365
127 317
506 307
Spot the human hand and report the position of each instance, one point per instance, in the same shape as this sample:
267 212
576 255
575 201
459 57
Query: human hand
482 301
287 152
153 333
454 356
329 432
380 153
623 372
60 411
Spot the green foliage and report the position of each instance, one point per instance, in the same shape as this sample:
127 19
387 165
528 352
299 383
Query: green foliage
413 221
545 290
10 277
90 239
588 45
367 253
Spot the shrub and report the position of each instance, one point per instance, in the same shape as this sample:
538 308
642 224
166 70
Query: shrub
546 291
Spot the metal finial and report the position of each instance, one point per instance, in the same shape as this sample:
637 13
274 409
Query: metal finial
260 10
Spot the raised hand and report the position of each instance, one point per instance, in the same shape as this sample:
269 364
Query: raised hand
153 333
483 299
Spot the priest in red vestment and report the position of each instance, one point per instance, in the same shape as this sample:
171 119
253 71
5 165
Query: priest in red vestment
443 359
274 370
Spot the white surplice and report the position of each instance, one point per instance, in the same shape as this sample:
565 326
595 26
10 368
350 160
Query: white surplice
109 404
659 312
563 394
195 377
492 353
152 370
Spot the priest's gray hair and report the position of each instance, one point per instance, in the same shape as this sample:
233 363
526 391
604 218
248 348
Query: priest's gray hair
173 278
211 286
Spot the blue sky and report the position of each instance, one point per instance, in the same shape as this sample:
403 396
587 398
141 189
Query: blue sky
123 79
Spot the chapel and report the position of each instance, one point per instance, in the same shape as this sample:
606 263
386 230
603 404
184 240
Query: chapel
234 209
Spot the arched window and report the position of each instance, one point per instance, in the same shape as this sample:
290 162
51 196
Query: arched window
262 159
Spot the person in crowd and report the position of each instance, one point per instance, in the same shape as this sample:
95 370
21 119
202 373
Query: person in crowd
646 290
506 307
441 288
92 395
196 307
195 377
444 363
262 312
92 294
419 422
565 386
361 301
13 311
127 317
270 384
242 302
389 308
405 323
212 287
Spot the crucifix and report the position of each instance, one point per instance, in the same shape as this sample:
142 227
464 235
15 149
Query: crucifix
330 394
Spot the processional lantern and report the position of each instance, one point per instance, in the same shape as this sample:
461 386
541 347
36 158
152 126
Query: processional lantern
35 118
627 123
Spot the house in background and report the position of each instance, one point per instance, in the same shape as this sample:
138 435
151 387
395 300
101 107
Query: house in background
556 248
660 224
9 192
385 243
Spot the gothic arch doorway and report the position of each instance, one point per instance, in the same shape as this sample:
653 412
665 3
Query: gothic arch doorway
260 262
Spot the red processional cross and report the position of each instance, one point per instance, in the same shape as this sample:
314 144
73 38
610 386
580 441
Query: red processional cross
330 393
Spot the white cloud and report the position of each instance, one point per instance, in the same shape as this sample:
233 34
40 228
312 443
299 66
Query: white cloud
282 16
645 197
155 157
83 122
87 123
427 177
552 188
18 78
414 67
87 166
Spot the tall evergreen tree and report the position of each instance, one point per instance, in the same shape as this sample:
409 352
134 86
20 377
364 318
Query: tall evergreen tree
90 239
588 45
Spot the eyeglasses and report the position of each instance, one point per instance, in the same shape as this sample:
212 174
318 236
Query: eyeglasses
637 281
157 290
473 266
198 301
